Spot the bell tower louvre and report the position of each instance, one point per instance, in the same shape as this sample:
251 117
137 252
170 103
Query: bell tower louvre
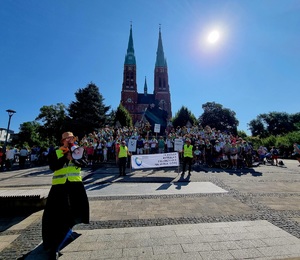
137 103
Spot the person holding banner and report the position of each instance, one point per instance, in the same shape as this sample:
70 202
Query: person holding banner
122 155
187 156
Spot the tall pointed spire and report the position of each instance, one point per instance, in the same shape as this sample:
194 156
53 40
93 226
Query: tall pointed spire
145 87
160 57
130 58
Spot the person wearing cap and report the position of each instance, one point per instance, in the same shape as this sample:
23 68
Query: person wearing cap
187 156
122 155
67 202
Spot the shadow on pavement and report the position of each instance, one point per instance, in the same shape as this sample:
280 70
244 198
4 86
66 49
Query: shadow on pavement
39 253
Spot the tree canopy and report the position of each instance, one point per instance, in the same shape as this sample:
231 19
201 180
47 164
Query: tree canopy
54 119
182 117
216 116
29 134
274 123
88 112
122 116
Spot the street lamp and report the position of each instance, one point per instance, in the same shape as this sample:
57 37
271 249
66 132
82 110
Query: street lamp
10 114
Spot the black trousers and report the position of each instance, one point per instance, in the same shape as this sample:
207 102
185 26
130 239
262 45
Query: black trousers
187 161
67 205
22 160
122 165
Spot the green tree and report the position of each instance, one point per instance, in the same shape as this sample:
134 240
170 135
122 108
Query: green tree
295 119
88 112
53 118
274 123
111 117
29 134
278 123
242 134
257 127
182 117
216 116
123 116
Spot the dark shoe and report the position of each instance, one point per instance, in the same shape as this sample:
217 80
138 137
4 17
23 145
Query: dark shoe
54 255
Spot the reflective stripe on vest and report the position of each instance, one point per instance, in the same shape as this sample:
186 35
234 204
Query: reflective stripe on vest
188 151
66 175
70 172
123 151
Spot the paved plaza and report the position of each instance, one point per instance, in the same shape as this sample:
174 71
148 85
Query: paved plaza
159 214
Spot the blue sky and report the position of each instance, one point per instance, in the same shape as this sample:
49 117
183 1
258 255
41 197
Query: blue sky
50 49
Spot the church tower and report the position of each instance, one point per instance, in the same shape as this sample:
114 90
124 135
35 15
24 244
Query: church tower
161 79
129 94
138 103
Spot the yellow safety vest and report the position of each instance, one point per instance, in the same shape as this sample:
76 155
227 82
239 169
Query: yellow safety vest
70 172
188 151
123 151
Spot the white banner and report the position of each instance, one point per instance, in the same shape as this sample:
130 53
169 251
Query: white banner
154 160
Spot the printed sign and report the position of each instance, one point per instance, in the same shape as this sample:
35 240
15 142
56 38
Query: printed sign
154 160
132 145
156 128
178 145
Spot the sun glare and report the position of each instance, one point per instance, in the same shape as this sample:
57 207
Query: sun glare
213 37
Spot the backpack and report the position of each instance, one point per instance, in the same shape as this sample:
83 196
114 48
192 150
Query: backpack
281 163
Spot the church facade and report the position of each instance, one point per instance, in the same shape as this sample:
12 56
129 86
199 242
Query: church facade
138 104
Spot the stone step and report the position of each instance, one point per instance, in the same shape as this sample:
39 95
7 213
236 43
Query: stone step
21 201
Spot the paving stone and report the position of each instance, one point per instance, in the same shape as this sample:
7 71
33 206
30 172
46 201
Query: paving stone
216 255
257 217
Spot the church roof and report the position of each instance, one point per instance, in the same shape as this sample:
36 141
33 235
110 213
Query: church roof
146 99
130 57
160 56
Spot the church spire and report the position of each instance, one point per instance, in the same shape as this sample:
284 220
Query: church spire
145 87
160 57
130 58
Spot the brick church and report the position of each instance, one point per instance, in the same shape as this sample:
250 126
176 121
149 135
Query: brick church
156 107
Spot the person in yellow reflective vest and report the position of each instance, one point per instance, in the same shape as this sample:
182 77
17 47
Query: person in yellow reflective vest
67 202
187 156
122 155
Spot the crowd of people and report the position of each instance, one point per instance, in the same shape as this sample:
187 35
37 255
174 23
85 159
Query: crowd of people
209 145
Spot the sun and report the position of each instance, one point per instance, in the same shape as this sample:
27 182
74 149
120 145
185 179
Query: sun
213 37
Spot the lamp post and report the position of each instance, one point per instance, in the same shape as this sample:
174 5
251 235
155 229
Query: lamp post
10 114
